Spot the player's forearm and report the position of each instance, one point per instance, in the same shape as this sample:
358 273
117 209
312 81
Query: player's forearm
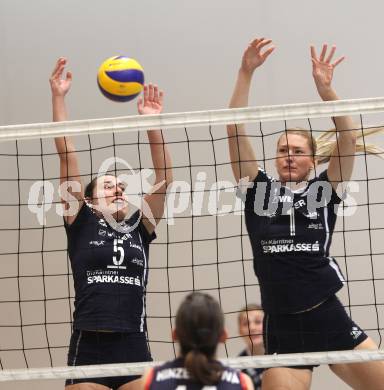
243 160
241 91
64 145
342 123
239 99
59 109
161 157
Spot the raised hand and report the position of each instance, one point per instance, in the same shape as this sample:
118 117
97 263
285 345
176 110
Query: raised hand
59 85
152 100
254 55
323 67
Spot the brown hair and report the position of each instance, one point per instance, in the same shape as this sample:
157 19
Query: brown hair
322 147
90 187
199 326
88 192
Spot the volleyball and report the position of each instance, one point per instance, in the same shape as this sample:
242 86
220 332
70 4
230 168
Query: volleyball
120 78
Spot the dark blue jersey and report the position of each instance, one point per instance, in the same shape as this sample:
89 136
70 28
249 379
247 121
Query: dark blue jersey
290 234
254 373
172 374
110 272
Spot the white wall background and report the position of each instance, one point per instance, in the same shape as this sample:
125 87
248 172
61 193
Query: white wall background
192 49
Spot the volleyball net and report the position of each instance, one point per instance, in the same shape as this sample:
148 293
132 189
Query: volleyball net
202 242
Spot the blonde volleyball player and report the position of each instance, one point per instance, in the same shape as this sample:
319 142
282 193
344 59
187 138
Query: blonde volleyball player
298 279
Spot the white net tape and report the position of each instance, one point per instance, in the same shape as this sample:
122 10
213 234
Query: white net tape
107 370
195 118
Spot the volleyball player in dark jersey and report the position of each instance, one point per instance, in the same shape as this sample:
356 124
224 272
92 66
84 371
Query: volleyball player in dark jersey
109 264
199 328
291 231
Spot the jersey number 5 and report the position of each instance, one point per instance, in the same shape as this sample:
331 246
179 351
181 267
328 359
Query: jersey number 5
118 251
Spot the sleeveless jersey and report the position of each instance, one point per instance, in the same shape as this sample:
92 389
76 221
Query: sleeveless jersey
173 376
110 272
290 234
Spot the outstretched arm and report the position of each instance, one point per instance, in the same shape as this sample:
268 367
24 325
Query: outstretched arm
69 171
243 159
152 103
342 159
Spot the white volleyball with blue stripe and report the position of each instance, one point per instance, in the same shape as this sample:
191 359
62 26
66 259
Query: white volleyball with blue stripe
120 78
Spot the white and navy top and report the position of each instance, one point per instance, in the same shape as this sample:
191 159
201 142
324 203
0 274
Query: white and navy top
110 272
172 374
254 373
290 234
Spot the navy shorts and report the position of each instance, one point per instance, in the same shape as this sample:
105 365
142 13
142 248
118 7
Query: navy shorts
326 327
88 347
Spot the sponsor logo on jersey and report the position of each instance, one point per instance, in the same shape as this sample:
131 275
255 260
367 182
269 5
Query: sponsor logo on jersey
356 332
172 373
230 377
312 214
283 246
113 234
102 222
316 226
282 198
111 277
300 203
135 246
139 262
97 243
182 373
